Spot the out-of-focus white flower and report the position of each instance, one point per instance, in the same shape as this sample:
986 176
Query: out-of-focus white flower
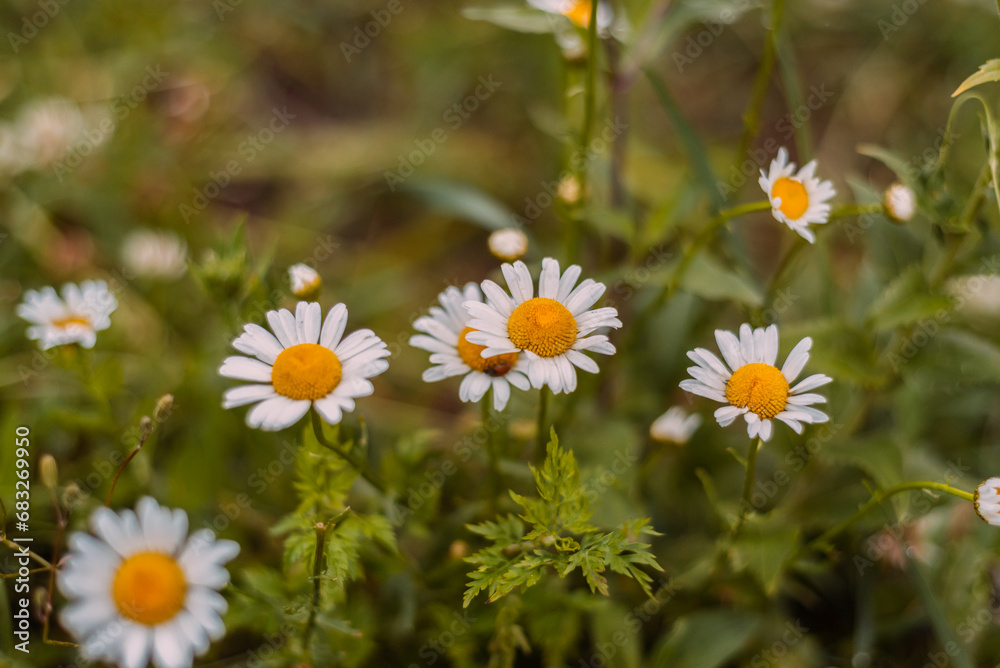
83 311
48 129
900 202
305 280
155 254
977 295
142 590
675 426
508 244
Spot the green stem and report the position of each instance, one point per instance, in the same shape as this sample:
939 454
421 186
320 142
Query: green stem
360 465
878 498
542 433
496 481
317 578
751 118
749 479
118 473
849 210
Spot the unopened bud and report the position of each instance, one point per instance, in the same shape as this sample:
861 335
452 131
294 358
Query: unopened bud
459 549
145 427
49 471
900 202
72 495
306 281
569 189
164 406
508 244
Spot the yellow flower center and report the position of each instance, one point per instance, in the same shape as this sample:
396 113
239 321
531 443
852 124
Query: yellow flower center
794 198
63 323
306 371
760 387
543 326
579 13
149 588
472 354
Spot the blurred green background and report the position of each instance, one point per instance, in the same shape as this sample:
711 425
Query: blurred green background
250 131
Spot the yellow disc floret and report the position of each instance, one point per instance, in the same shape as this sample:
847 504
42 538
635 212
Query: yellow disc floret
306 371
149 588
793 195
543 326
760 387
579 12
63 323
472 355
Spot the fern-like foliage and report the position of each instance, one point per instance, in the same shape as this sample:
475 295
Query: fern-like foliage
553 532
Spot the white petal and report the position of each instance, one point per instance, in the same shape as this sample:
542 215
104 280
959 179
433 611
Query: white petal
791 422
695 387
136 643
708 360
247 394
548 280
277 413
582 361
329 409
584 296
170 647
245 368
519 281
765 430
729 345
747 349
307 321
796 359
811 383
333 327
501 393
566 283
258 342
806 399
727 414
279 325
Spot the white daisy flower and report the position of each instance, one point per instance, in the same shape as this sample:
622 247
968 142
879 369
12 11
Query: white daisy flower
796 199
153 254
305 280
755 388
304 366
508 244
83 311
445 338
675 426
142 590
900 202
552 329
987 500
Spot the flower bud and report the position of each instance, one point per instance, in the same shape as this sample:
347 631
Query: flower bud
306 281
49 471
508 244
900 202
164 406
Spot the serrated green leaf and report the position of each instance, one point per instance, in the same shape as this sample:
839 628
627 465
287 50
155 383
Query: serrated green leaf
988 71
705 639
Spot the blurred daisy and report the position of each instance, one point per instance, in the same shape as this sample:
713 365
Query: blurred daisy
83 311
142 590
675 426
153 254
305 281
900 202
508 244
987 500
49 128
302 365
552 329
796 199
445 338
755 388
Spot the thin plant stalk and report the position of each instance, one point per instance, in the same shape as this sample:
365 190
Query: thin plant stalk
749 479
360 465
542 427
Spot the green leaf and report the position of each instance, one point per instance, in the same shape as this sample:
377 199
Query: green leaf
966 356
763 548
708 278
881 458
513 17
705 639
988 71
462 201
905 301
902 167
